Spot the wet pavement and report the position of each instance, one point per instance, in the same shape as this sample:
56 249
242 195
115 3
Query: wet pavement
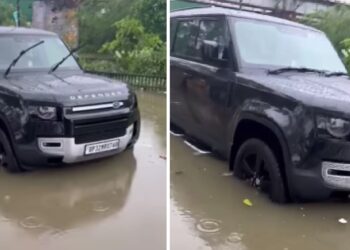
207 211
114 203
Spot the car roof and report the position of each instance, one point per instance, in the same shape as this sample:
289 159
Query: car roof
23 31
236 13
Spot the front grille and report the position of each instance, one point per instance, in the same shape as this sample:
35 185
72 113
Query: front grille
93 108
95 130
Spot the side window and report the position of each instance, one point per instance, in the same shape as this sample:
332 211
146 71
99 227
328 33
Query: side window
185 38
213 36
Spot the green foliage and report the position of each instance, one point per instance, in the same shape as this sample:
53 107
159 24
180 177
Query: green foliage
6 15
98 64
96 19
346 51
131 32
25 7
152 14
135 50
6 11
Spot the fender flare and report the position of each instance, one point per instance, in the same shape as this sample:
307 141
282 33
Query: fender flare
271 125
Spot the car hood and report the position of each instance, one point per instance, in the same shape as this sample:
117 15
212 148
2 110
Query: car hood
328 93
67 88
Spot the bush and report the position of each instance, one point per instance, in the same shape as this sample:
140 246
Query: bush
346 52
152 14
98 64
135 50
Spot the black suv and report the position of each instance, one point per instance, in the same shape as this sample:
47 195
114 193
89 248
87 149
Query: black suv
269 95
51 112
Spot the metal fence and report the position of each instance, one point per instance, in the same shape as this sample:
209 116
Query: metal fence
146 82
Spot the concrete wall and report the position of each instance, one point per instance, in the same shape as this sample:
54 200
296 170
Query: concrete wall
55 16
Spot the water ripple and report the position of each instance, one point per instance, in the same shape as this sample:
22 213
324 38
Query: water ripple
209 226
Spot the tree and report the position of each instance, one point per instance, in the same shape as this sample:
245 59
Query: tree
96 19
135 50
152 14
6 14
132 32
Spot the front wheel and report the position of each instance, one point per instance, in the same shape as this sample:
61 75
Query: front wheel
7 157
256 162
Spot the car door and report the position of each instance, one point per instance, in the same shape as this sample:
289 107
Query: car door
184 33
210 88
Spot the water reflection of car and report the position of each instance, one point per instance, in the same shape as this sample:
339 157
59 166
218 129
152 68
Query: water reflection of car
51 112
62 199
269 95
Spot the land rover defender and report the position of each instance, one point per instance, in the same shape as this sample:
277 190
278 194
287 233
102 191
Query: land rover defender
269 95
51 111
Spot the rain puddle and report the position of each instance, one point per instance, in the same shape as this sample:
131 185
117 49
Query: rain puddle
209 226
227 214
38 208
31 222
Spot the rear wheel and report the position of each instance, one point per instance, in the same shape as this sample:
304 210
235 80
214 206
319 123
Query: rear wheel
256 162
7 157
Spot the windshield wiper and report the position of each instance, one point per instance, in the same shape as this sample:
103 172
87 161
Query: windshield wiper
57 65
22 53
297 69
336 74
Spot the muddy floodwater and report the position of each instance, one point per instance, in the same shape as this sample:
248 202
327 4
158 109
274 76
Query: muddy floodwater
114 203
207 212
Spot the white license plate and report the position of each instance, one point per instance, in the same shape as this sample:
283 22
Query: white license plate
101 147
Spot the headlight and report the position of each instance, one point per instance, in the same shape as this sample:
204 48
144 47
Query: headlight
336 127
43 112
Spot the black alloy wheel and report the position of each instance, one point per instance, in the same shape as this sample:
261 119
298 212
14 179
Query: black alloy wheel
257 163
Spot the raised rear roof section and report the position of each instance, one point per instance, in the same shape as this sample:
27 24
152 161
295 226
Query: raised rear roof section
236 13
23 31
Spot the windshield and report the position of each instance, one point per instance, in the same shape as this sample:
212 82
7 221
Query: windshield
271 45
42 57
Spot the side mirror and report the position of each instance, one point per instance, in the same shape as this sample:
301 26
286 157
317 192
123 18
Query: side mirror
214 53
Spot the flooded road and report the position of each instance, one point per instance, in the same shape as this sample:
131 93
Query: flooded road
114 203
207 211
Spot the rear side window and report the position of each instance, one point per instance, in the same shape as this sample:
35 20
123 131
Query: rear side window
185 38
214 32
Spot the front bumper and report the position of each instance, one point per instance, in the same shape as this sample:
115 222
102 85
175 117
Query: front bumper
324 173
67 144
70 152
336 175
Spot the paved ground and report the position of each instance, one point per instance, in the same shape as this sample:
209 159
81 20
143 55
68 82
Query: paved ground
207 212
115 203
